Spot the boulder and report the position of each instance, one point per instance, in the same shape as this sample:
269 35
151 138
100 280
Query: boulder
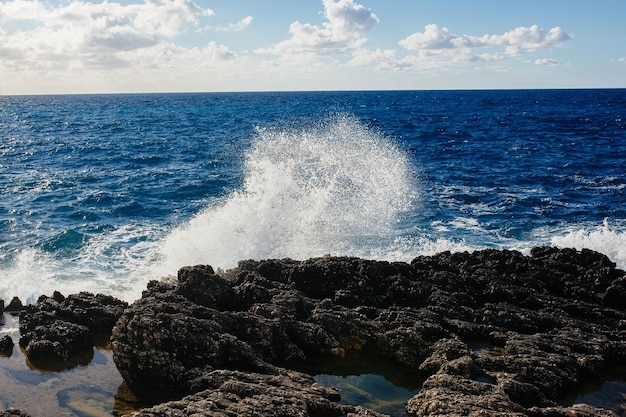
228 393
491 333
15 306
6 345
57 328
13 412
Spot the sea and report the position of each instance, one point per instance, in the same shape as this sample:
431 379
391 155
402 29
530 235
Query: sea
105 192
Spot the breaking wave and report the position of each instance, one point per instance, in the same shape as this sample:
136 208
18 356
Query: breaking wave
334 187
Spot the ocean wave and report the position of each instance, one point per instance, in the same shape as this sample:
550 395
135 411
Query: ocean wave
337 186
118 261
607 238
97 200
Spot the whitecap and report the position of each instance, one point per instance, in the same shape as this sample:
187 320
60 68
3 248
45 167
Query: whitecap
335 187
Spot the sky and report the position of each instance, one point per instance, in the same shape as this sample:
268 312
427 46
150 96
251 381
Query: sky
128 46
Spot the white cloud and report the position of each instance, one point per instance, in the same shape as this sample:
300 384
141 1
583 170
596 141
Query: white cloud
217 52
438 48
433 37
154 17
168 55
166 44
622 60
84 34
345 29
548 62
235 27
514 42
21 10
381 59
422 61
532 38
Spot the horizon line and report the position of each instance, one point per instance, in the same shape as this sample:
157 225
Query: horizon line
311 91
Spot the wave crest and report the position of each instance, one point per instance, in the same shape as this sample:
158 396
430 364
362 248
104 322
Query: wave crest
332 187
606 238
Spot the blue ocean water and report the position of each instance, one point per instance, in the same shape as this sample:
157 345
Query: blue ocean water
105 192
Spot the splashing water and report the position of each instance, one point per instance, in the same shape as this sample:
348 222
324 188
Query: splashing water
335 187
605 239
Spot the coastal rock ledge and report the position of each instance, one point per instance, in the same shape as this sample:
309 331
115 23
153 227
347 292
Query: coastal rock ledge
490 333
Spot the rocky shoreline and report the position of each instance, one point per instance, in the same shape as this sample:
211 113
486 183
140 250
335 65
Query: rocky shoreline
491 333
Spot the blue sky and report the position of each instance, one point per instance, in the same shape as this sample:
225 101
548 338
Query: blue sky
80 46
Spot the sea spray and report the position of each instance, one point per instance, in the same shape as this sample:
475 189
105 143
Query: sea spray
333 187
118 262
103 193
605 238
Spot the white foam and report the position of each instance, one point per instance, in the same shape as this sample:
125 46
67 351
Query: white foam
467 223
335 187
406 248
31 273
606 238
117 263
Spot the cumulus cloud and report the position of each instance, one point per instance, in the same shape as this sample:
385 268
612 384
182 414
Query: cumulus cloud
439 48
96 38
516 41
217 52
235 27
152 17
549 62
388 60
345 29
433 37
80 33
378 57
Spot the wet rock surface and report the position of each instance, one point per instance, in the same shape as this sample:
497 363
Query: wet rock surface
12 412
237 393
14 306
56 329
6 345
493 332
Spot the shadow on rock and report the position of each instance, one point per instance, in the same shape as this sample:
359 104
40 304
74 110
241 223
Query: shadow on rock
547 322
59 333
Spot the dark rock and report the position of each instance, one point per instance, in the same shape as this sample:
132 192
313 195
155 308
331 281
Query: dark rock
58 297
495 332
200 285
444 394
244 393
14 306
58 327
577 410
6 345
12 412
615 296
236 393
57 339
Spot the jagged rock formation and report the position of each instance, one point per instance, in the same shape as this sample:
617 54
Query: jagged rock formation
495 332
56 328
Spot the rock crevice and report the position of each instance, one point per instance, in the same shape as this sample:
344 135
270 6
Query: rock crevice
494 331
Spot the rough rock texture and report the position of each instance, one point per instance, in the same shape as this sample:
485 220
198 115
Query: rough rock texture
15 306
6 345
56 328
236 393
495 332
13 412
